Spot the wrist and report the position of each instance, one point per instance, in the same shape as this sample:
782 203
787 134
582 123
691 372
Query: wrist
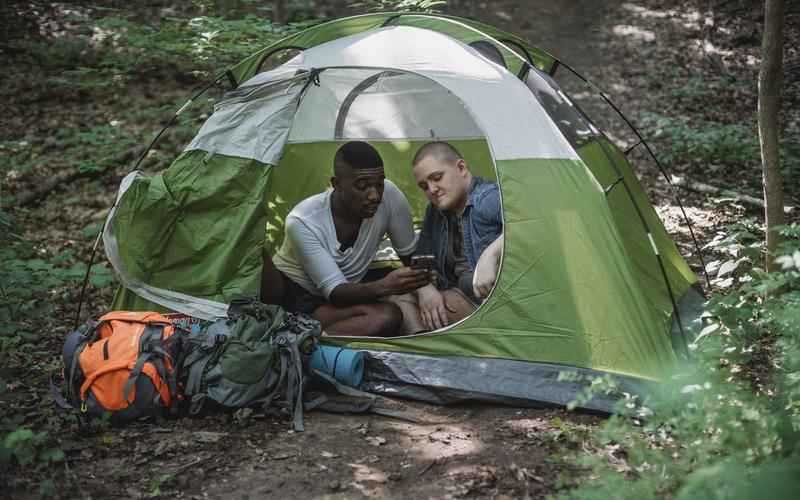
427 290
378 288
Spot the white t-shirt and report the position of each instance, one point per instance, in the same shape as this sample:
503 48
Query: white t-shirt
310 253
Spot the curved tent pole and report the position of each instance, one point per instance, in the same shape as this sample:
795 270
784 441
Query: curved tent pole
351 97
275 51
655 159
170 123
520 47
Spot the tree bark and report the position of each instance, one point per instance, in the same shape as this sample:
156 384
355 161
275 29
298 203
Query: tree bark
279 12
770 81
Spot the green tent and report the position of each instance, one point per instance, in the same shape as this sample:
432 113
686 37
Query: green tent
590 280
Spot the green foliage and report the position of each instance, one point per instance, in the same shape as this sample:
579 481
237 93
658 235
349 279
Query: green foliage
718 148
30 450
27 447
726 425
710 146
105 49
400 5
28 284
90 149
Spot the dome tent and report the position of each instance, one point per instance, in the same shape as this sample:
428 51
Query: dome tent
590 281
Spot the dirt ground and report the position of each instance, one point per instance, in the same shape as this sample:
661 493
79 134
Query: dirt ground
464 452
474 451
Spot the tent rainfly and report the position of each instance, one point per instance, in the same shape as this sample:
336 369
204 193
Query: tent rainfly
590 280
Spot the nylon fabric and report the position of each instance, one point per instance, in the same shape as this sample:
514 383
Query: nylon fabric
207 243
552 302
458 28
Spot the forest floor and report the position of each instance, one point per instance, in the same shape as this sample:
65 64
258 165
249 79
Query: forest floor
666 58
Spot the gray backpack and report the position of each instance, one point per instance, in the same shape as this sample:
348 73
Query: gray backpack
253 357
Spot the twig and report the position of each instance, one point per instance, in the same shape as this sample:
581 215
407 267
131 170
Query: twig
700 187
428 467
190 464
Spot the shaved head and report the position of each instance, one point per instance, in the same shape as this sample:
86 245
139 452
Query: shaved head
441 151
443 174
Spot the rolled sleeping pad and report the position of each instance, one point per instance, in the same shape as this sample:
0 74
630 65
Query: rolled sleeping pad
344 365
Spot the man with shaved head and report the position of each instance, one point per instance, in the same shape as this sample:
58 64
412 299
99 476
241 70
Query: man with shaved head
332 237
462 229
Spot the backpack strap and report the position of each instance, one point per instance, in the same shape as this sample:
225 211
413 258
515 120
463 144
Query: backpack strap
368 406
279 384
150 349
91 334
294 391
196 375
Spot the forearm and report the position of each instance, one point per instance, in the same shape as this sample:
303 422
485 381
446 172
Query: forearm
348 294
495 249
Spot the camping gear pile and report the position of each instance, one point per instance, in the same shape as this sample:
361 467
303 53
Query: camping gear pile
590 282
132 365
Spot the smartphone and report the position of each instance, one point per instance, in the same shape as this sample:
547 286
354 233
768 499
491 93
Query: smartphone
422 262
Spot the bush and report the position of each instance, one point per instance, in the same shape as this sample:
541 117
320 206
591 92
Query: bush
719 148
716 428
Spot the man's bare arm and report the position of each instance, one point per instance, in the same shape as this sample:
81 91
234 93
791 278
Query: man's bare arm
487 268
398 282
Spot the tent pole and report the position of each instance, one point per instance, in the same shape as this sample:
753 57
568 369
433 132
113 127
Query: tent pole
658 164
170 123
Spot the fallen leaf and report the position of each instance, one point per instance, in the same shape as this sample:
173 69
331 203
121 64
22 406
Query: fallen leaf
376 440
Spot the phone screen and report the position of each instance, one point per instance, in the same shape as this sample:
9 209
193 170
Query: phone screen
422 262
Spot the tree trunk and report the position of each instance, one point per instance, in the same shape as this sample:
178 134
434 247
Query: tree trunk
770 81
279 12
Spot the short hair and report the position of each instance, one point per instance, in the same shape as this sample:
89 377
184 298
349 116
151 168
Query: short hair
358 155
443 151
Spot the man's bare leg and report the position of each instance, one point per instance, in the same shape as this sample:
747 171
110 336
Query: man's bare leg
459 306
409 306
363 320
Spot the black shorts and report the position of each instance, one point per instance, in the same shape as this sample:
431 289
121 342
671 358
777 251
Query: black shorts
297 299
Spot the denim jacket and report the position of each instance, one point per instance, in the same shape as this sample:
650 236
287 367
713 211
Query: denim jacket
483 223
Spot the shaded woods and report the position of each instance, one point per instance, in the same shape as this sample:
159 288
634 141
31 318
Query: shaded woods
87 85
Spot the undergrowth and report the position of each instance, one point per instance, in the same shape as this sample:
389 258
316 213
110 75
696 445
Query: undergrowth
724 426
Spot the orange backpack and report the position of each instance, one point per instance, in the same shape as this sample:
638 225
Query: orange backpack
124 364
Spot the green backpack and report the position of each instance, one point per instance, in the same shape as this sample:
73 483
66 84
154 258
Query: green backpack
256 356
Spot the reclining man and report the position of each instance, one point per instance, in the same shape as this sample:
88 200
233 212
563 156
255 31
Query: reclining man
331 238
463 230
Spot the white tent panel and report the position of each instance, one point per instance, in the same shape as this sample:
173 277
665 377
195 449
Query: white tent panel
503 107
253 122
374 104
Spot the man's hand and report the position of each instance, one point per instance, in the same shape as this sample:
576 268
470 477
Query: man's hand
486 269
404 280
433 307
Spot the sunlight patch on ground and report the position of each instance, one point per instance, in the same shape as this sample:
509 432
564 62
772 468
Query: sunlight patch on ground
530 425
441 441
688 19
634 32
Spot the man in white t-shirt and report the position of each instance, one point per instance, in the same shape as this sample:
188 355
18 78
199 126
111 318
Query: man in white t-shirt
332 237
